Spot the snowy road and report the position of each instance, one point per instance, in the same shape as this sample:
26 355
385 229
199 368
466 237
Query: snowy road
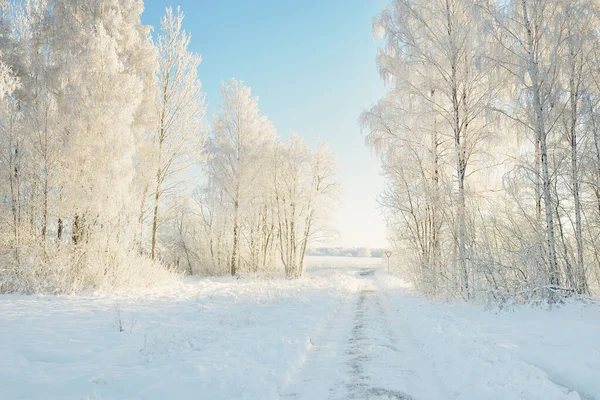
348 330
385 344
360 356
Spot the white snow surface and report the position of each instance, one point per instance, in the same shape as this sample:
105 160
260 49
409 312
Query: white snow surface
347 330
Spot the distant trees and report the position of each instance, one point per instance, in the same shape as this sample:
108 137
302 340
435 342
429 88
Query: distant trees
239 152
498 101
263 195
346 252
305 183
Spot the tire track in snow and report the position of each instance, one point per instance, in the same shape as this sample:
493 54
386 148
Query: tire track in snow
358 357
369 318
559 381
312 369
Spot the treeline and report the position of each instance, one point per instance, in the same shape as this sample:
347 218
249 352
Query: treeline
110 175
346 252
489 140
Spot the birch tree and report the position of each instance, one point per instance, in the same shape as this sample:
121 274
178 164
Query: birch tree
579 37
405 132
100 102
502 97
73 134
179 138
9 152
305 184
241 139
531 34
434 52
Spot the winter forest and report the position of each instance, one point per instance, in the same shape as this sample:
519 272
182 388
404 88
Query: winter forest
110 173
490 145
410 210
488 134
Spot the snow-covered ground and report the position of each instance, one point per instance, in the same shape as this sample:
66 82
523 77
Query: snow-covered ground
346 330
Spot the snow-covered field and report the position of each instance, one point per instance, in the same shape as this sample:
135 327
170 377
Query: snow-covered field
346 330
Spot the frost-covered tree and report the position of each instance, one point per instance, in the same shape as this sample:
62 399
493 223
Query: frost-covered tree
100 101
85 73
434 58
580 36
305 184
488 137
180 137
530 33
239 149
102 134
264 199
10 158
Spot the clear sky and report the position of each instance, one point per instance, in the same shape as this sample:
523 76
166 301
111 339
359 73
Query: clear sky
312 64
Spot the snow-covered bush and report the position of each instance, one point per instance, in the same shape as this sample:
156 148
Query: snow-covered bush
69 269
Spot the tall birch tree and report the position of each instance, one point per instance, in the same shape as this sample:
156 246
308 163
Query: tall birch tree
240 142
180 136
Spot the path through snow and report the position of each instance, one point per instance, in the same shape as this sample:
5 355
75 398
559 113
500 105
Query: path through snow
359 355
346 331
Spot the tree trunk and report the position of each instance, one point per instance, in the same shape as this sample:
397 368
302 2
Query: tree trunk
460 161
581 279
59 231
234 251
596 185
435 235
538 175
554 273
155 215
76 234
141 220
45 210
460 211
307 232
582 286
15 206
292 245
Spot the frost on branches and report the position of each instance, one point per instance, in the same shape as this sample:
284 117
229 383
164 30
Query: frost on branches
265 199
109 174
488 137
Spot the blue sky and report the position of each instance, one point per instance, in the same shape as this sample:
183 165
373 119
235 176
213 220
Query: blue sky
312 64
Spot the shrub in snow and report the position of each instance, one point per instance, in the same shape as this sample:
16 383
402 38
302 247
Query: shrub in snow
70 268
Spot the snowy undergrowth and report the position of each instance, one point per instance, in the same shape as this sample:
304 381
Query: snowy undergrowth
478 354
218 338
70 269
